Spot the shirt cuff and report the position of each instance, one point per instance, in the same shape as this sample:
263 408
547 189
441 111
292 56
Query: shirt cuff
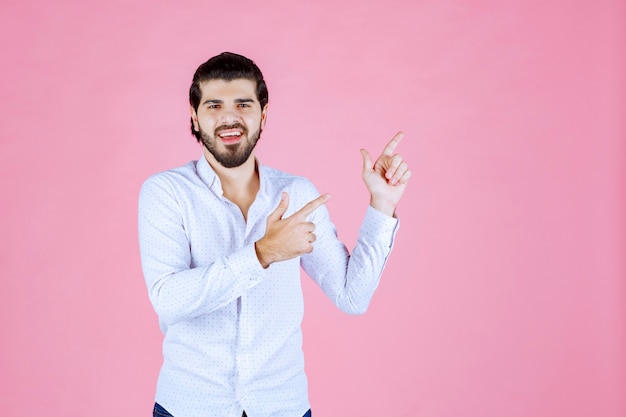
245 264
378 225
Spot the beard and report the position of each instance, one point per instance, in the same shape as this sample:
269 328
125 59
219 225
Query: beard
236 154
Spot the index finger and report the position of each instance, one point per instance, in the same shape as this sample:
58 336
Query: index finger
393 143
312 205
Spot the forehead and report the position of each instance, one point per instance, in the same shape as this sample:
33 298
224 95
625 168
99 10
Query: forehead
228 89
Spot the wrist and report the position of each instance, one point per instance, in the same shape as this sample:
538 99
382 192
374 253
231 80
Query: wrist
383 206
261 254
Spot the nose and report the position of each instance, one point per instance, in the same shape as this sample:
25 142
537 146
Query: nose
229 115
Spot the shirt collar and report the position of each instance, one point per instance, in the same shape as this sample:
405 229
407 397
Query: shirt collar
209 177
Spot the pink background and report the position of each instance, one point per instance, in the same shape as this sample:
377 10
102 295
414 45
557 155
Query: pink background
505 295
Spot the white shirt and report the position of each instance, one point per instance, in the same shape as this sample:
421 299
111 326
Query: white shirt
232 330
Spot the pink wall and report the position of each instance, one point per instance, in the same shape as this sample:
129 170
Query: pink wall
505 295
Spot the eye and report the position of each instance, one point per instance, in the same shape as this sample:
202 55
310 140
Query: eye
213 106
244 105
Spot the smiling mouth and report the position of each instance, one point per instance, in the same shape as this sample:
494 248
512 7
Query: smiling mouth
230 136
230 133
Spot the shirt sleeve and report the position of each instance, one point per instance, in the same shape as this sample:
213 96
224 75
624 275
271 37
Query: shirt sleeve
177 290
349 280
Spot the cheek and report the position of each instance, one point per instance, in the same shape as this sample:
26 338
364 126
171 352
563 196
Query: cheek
255 122
206 123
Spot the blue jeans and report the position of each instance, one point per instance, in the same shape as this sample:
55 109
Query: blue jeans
162 412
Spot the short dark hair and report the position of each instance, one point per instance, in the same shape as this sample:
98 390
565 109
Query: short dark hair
226 66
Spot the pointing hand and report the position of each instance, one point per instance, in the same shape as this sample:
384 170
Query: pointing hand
289 237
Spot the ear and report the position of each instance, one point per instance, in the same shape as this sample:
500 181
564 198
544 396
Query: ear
194 119
264 115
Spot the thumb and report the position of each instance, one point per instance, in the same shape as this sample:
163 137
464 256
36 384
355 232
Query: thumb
367 161
281 209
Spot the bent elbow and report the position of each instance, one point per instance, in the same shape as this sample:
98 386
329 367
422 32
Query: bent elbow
165 313
359 311
354 308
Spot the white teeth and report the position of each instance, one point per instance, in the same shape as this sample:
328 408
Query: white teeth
229 134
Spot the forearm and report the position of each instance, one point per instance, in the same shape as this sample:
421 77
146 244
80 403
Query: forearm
178 294
350 280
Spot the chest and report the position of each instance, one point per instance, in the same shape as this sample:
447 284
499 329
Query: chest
216 227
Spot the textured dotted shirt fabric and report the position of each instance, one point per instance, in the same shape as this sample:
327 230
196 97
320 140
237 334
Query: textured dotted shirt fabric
232 330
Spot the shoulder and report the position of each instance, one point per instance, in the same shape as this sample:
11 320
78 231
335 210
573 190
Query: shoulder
291 183
172 180
183 173
300 189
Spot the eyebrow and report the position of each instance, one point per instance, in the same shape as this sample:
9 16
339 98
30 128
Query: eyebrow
237 100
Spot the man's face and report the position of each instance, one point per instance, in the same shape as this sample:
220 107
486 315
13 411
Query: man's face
229 119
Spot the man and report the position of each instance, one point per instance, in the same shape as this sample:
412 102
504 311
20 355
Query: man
222 240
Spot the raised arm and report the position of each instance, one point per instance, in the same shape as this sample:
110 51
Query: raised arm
350 280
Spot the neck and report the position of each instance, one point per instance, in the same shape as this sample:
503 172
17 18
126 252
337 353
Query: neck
239 177
240 184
